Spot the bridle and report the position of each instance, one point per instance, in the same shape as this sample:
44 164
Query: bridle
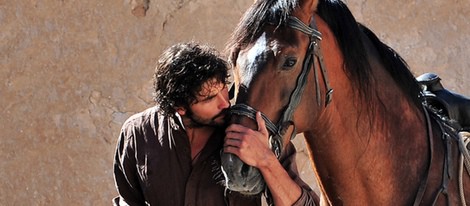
278 130
314 52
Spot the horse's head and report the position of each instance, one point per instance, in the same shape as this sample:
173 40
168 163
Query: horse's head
276 53
273 51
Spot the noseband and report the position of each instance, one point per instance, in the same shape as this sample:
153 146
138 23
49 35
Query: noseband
313 50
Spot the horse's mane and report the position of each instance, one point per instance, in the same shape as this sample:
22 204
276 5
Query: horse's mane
347 32
396 66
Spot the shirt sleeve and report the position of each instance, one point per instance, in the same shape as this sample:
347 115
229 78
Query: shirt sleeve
288 161
125 171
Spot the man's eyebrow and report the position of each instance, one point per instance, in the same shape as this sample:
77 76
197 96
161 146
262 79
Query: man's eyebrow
208 96
204 96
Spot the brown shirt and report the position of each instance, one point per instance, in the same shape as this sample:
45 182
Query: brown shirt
153 166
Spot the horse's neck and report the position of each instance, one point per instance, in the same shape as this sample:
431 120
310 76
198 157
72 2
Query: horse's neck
392 108
357 155
359 147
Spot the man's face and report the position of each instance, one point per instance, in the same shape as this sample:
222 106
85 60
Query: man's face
211 106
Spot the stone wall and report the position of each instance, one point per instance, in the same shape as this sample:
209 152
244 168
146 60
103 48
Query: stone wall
73 71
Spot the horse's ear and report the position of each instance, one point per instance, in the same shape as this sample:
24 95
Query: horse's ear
308 6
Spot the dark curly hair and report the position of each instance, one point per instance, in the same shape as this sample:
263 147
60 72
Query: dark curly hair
181 71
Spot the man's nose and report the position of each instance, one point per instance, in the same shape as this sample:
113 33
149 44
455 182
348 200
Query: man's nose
223 102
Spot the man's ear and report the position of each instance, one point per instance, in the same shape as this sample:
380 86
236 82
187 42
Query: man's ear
181 111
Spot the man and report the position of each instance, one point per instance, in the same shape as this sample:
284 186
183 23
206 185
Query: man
170 154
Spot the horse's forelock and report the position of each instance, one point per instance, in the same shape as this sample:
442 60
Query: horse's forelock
253 21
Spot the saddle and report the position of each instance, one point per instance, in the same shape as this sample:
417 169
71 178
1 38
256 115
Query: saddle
452 107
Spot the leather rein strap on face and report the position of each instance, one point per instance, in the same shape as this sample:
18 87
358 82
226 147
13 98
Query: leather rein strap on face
277 131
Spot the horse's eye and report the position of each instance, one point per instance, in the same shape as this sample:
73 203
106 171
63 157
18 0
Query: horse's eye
289 62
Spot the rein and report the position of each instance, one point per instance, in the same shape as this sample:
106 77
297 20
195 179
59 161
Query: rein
451 133
424 181
313 52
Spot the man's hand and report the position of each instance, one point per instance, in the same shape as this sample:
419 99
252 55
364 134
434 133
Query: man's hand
251 146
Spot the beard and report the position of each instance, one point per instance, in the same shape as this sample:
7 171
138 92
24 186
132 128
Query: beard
219 120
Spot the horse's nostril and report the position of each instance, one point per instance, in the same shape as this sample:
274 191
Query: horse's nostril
245 170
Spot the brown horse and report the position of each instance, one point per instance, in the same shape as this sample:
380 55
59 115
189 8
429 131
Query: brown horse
372 141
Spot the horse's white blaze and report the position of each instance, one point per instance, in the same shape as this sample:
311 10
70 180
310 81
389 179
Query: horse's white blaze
252 58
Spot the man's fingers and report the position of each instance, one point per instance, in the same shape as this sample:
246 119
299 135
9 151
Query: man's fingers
261 123
236 128
232 142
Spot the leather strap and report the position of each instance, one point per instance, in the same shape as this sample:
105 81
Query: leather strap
424 181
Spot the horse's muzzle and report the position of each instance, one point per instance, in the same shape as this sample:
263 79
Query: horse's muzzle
241 177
